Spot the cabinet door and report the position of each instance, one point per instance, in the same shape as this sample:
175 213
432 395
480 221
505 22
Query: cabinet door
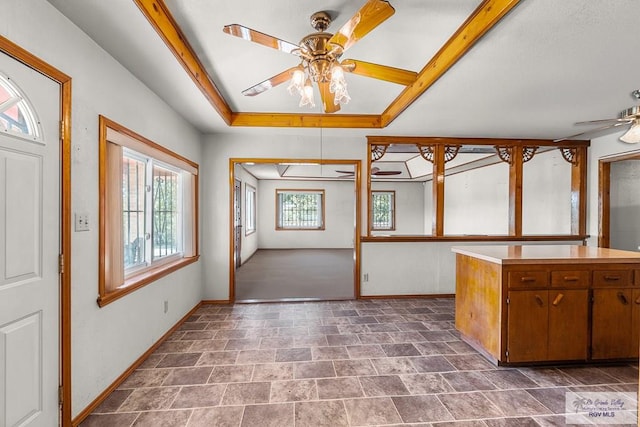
611 324
568 324
527 326
635 323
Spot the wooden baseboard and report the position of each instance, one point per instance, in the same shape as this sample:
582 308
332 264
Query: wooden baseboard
423 296
102 396
215 301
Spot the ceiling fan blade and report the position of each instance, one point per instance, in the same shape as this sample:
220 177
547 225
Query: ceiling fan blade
590 131
327 98
261 38
380 72
372 14
386 173
269 83
592 122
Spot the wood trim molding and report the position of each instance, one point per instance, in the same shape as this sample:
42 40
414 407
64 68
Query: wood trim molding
357 164
471 238
604 206
437 188
306 120
515 190
408 296
485 17
102 396
436 140
37 64
163 22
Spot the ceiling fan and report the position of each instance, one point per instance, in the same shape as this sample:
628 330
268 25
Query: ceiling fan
375 171
630 116
320 54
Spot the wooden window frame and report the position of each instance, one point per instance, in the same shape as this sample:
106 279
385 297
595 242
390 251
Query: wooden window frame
112 281
250 217
393 210
305 191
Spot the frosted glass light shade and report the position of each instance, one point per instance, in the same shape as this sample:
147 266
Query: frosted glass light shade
632 136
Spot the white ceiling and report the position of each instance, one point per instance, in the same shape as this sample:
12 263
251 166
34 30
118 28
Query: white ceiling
546 65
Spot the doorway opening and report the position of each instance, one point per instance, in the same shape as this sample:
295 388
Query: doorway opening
619 202
294 229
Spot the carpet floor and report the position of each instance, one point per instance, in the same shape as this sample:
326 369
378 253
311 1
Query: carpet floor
290 274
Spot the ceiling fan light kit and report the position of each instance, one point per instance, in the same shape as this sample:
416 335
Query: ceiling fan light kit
320 54
632 136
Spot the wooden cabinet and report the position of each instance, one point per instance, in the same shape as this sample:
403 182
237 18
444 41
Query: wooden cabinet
547 325
527 305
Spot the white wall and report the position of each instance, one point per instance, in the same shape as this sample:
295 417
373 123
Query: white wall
546 194
249 243
339 199
105 341
477 201
409 206
625 205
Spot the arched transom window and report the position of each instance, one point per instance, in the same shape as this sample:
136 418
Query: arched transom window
17 117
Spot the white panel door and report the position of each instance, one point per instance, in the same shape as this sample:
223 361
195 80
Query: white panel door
29 248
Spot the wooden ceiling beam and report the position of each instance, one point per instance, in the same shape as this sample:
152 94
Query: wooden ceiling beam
477 24
162 20
305 120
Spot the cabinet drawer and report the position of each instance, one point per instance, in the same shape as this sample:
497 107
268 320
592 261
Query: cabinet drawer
527 279
612 277
570 278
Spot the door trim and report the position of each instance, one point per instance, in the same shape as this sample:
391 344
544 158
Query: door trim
357 165
604 194
47 70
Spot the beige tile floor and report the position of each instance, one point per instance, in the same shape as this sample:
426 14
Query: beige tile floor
345 363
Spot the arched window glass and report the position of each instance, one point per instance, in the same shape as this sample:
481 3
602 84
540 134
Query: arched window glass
17 117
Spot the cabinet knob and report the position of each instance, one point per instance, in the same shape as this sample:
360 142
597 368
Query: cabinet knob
570 279
638 300
611 278
558 299
527 279
623 298
539 300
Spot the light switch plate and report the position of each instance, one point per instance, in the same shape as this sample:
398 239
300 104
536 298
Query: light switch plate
82 221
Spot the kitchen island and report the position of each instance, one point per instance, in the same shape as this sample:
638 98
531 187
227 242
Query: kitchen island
538 304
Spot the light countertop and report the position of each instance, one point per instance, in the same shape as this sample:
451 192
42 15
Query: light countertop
548 254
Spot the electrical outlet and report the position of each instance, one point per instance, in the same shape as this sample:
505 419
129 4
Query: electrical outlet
166 306
82 221
365 277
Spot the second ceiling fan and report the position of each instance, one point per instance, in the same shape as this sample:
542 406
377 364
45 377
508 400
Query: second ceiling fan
320 54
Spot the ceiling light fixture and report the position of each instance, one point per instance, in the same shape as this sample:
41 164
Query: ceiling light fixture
320 64
632 136
320 54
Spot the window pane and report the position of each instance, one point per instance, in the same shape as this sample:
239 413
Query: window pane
382 210
250 209
165 212
133 215
16 115
299 210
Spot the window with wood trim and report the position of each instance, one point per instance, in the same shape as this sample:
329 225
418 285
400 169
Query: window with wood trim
148 211
250 209
300 209
383 210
